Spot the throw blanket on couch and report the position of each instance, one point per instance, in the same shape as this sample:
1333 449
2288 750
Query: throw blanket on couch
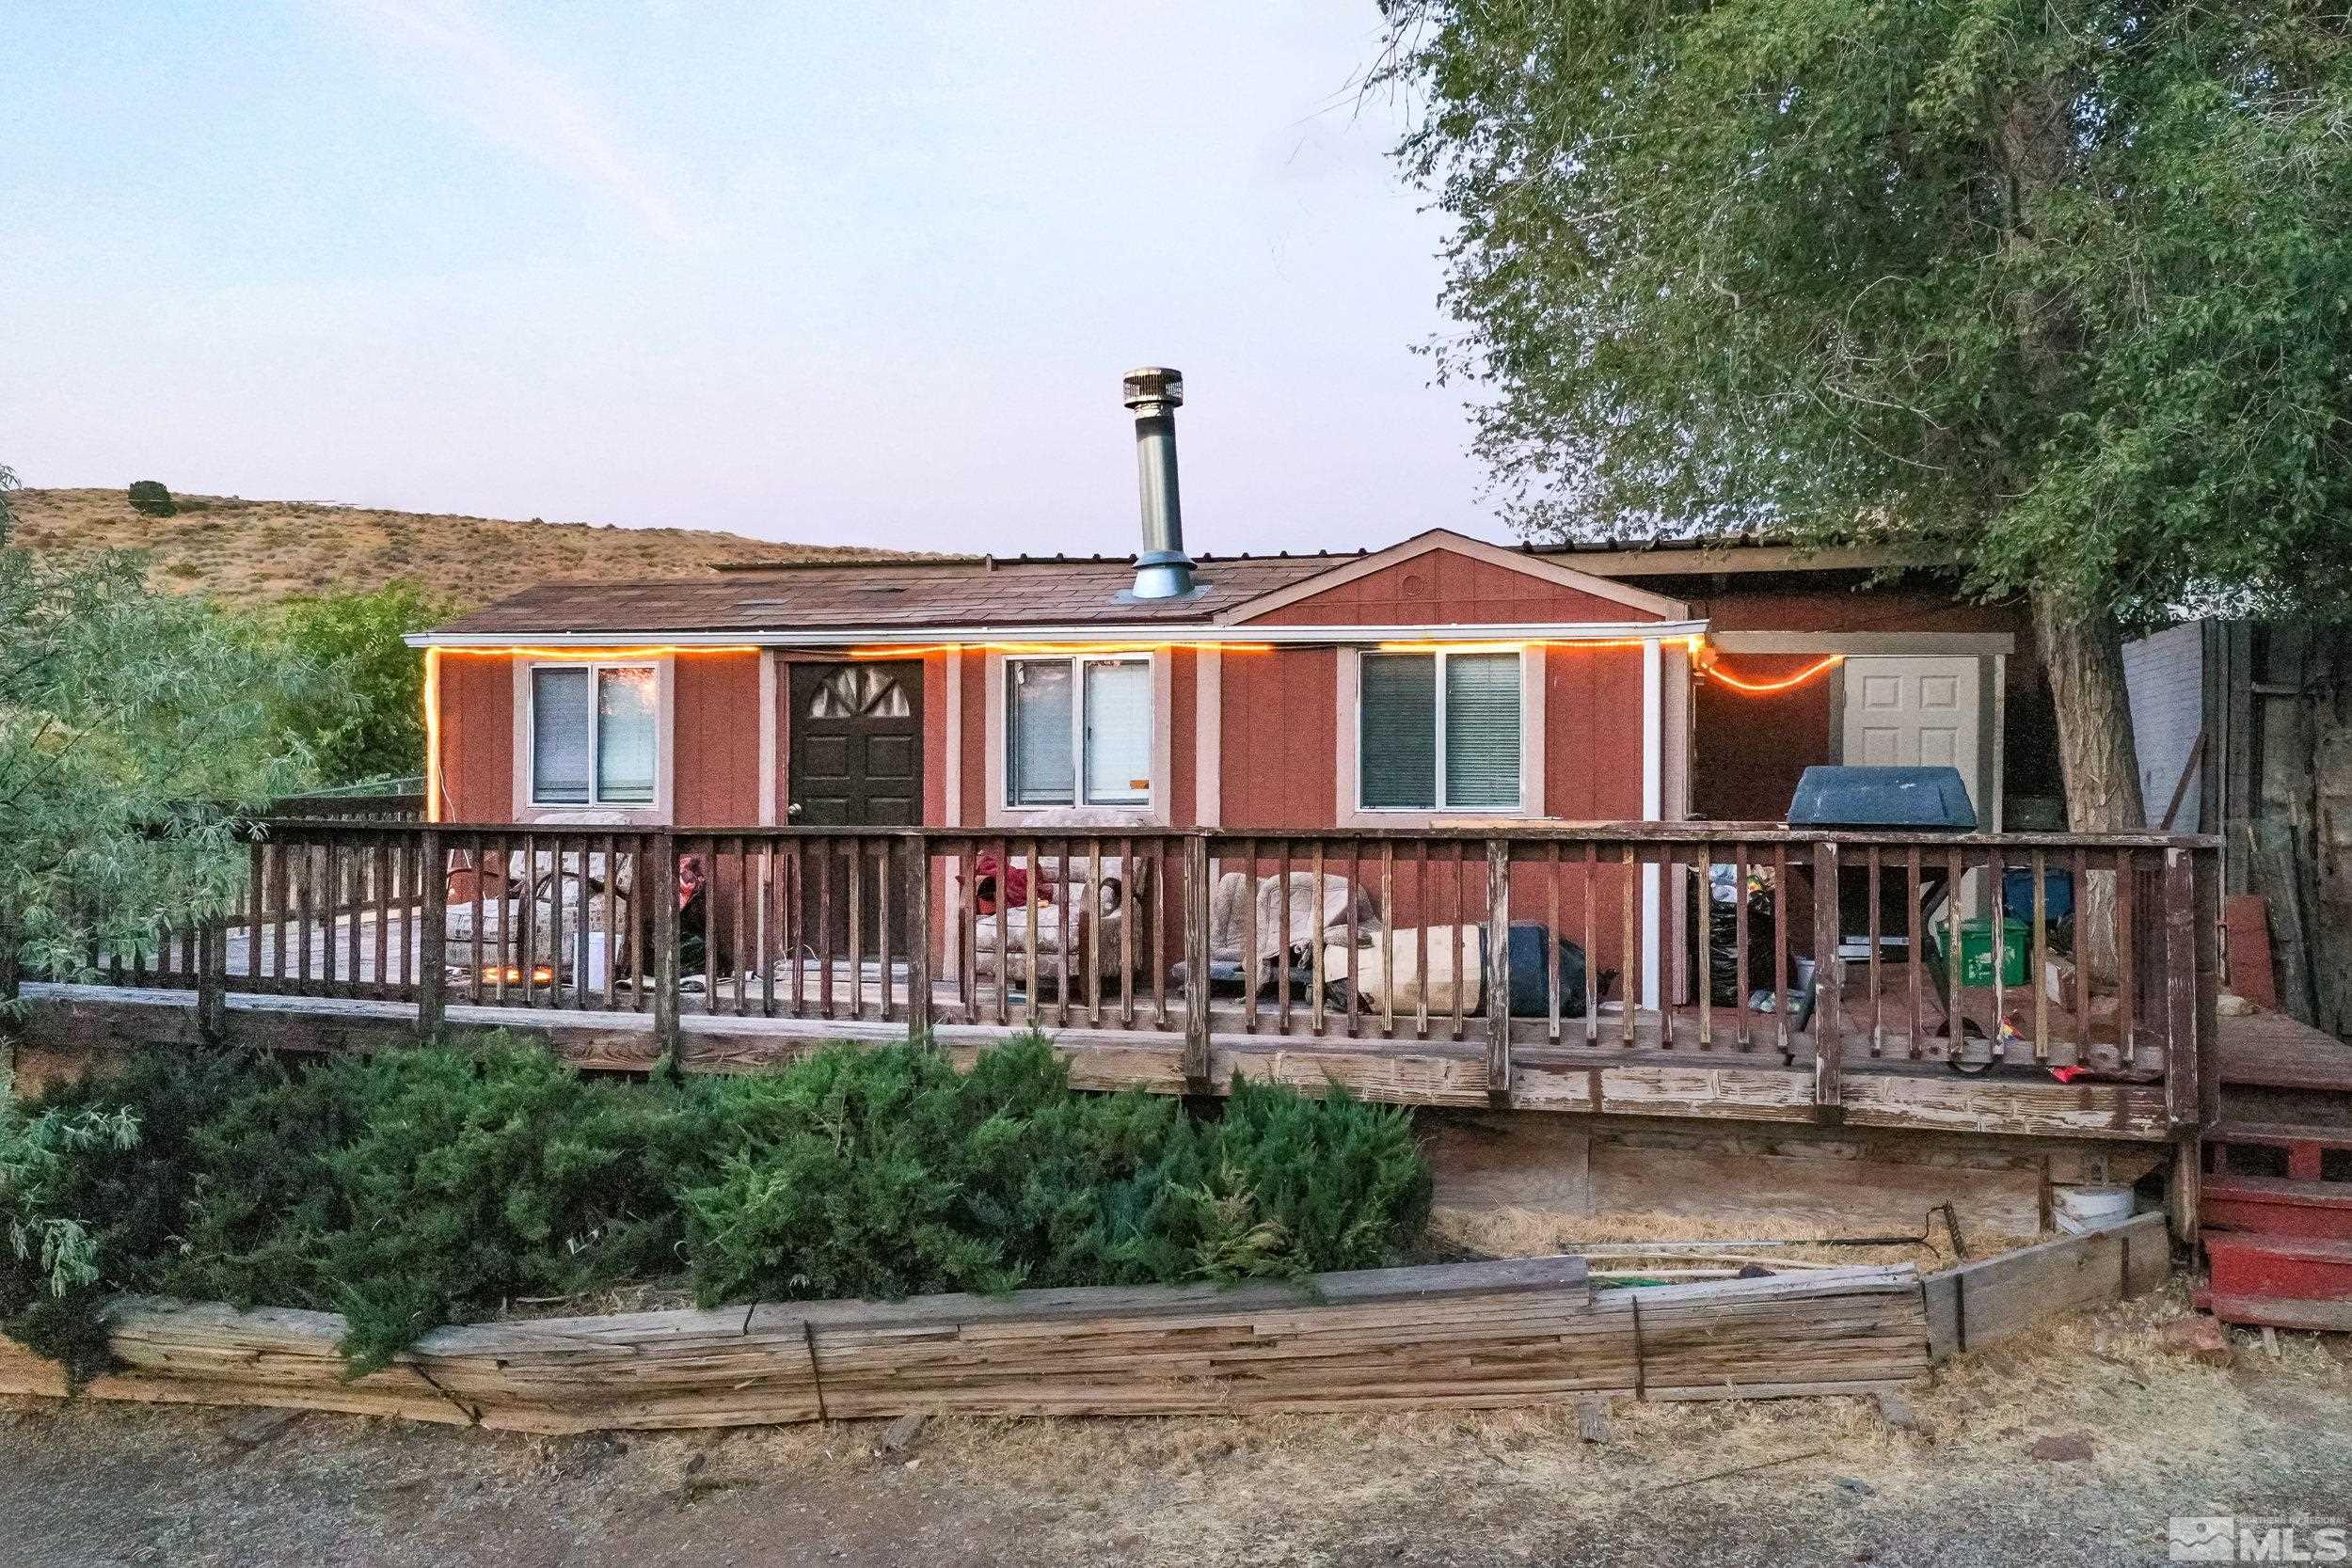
1318 915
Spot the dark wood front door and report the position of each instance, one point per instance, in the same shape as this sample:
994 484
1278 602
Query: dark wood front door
856 762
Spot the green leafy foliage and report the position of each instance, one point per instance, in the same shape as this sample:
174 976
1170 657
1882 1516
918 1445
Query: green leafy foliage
135 727
2058 288
367 721
424 1185
469 1179
129 1191
886 1174
149 496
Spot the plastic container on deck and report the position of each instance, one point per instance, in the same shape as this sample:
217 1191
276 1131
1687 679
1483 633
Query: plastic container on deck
1976 951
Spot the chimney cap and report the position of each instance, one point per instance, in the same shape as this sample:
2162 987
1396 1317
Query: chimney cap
1152 383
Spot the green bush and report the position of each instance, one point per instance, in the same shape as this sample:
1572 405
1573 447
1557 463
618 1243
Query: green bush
370 724
131 1196
467 1180
885 1173
150 496
428 1184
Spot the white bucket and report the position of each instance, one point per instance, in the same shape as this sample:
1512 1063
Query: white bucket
2082 1209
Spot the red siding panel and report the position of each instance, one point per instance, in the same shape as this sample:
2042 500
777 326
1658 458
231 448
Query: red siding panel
1280 725
715 754
477 738
1444 587
1593 734
935 759
974 721
1183 722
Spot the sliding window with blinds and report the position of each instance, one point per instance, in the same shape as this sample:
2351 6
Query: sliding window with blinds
1438 732
595 734
1077 732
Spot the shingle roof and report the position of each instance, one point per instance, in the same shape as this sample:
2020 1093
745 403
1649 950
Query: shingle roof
929 592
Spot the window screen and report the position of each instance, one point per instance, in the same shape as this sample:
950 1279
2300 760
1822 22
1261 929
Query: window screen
1038 726
1482 731
626 735
559 736
1117 731
1398 757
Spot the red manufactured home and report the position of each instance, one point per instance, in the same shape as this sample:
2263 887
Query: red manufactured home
1441 683
1442 680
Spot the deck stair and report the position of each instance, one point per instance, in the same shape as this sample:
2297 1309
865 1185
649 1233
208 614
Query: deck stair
2276 1212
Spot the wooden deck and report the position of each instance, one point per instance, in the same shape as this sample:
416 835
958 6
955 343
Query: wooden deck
1647 1080
353 936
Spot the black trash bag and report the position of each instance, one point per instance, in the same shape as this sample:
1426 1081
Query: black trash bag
1721 941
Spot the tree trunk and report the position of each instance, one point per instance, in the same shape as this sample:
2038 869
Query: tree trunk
2083 653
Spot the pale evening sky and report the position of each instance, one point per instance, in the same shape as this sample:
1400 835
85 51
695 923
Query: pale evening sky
845 274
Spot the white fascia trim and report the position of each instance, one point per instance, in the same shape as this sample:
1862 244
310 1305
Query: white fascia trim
1079 638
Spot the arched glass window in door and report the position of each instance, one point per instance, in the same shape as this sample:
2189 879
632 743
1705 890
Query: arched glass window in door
859 691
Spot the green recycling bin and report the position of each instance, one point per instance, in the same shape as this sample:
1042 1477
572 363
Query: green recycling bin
1976 951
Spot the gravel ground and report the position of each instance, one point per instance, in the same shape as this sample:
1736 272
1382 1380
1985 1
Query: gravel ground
2076 1449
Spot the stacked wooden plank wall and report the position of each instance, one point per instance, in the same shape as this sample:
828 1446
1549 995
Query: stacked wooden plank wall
1484 1335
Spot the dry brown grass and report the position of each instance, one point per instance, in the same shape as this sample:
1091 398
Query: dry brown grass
246 552
1215 1486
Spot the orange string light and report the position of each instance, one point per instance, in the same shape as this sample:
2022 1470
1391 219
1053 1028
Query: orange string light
1766 688
661 651
918 651
1437 645
433 734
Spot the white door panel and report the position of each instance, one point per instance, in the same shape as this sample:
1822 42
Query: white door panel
1915 712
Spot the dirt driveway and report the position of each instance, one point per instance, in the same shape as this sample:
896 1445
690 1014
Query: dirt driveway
2075 1451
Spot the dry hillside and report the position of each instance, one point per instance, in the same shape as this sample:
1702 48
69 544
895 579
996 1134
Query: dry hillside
251 551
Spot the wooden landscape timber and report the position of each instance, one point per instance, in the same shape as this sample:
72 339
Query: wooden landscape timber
1981 1303
1473 1336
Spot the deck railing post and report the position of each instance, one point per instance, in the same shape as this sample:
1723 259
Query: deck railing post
1829 1014
11 978
212 979
1197 963
918 940
1498 979
666 1034
432 934
2207 864
2182 1091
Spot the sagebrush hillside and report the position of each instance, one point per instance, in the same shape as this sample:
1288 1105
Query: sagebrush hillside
255 551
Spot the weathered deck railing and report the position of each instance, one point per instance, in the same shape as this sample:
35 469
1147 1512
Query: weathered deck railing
1842 950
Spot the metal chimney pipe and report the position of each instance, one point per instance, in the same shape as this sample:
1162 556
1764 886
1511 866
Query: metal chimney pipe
1163 570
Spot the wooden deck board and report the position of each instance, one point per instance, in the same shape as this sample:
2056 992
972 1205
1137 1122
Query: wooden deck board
2272 1051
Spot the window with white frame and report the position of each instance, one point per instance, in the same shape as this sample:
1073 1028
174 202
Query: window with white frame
594 737
1439 731
1078 732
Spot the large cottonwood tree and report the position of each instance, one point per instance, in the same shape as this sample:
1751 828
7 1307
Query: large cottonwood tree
2060 289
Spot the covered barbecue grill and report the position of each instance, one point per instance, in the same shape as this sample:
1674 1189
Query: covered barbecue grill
1926 798
1922 798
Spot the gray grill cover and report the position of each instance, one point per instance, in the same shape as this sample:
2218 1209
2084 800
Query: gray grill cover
1882 797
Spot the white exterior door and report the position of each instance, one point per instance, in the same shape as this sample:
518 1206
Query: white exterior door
1915 712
